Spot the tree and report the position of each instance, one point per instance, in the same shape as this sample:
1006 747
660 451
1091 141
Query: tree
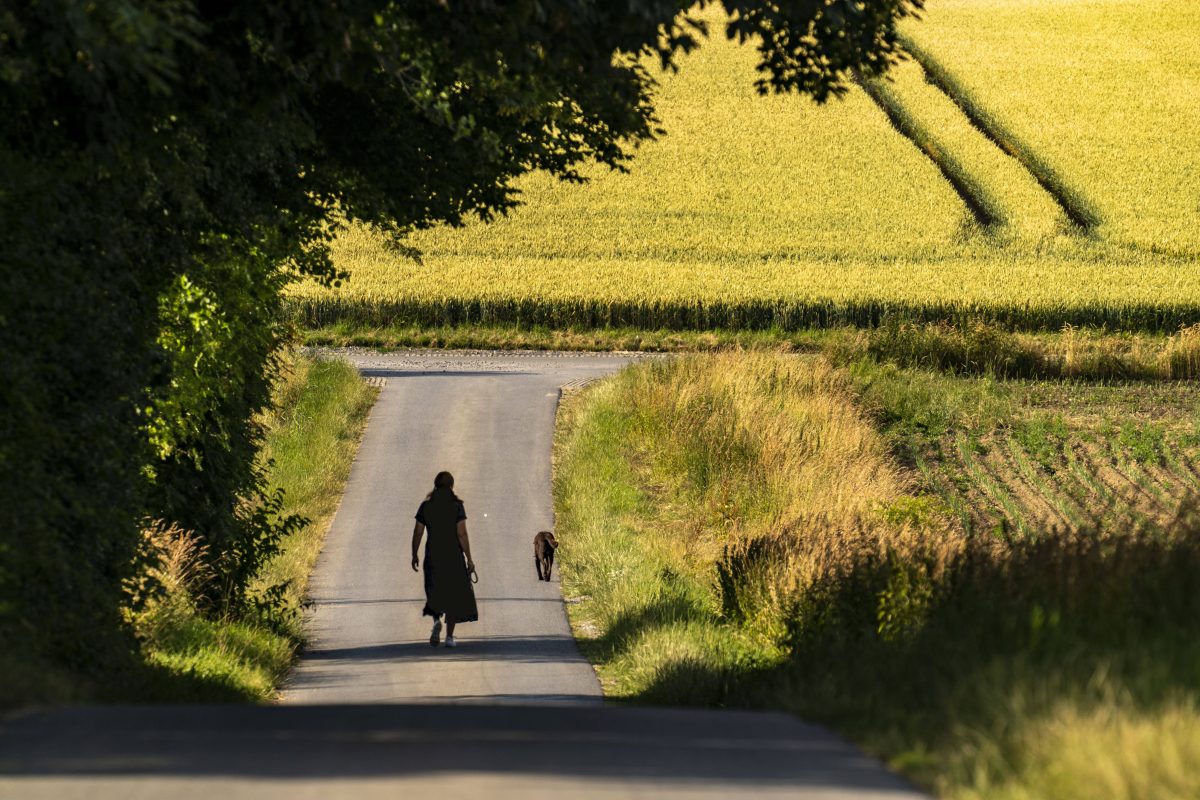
167 167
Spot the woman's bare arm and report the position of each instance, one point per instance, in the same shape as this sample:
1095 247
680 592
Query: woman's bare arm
465 543
418 531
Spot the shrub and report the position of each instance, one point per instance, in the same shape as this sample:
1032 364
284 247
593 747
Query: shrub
971 348
1183 353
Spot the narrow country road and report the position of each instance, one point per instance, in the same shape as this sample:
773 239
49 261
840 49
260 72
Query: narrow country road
372 711
489 419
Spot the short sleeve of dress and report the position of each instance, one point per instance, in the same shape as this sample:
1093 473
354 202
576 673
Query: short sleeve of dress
421 512
462 512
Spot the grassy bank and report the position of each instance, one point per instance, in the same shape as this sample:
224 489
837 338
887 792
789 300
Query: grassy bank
753 531
312 436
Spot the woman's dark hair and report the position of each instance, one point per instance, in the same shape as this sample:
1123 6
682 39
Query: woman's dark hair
445 482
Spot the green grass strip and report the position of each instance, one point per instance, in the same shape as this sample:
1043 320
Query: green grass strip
312 438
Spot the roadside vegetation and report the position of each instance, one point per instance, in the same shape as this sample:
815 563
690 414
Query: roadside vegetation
989 581
970 346
516 337
312 434
188 653
171 168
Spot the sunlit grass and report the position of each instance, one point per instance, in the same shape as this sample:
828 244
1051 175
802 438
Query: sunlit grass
312 435
735 533
1110 751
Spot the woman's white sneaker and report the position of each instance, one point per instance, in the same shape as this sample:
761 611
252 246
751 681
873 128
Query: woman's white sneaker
450 642
435 635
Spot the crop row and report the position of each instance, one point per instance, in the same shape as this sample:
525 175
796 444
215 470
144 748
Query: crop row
1010 483
783 315
1032 292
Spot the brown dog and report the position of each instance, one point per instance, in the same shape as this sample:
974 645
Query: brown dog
544 545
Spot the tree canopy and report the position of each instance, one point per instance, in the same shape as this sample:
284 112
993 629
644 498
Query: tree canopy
167 167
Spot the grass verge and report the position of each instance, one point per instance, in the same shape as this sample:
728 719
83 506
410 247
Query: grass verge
737 531
312 436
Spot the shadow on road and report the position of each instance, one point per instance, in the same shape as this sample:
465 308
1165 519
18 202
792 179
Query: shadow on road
740 750
530 649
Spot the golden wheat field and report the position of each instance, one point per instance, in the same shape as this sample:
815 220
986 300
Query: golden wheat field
758 212
1106 91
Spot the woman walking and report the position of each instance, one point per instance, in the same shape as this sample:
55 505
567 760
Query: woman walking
447 580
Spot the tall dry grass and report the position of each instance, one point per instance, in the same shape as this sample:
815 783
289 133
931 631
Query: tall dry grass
735 534
175 569
752 443
976 347
1183 353
1089 353
1112 751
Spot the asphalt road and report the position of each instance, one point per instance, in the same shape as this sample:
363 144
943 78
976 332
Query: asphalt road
489 420
373 711
455 752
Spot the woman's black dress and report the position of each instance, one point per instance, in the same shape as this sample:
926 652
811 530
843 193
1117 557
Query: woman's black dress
447 582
